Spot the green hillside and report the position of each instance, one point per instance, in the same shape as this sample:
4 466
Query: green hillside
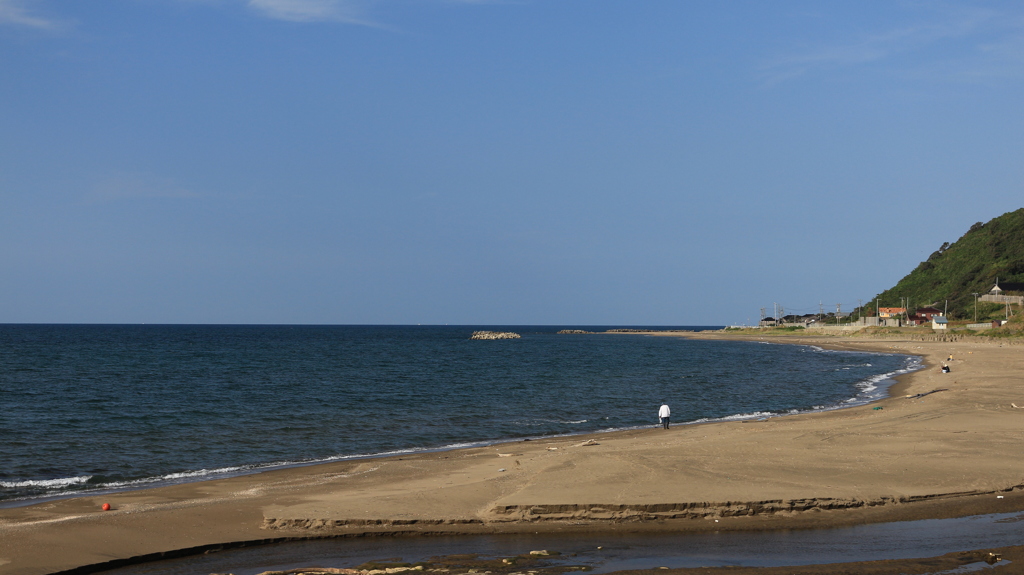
971 264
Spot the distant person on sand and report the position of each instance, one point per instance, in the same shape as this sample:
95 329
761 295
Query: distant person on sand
663 415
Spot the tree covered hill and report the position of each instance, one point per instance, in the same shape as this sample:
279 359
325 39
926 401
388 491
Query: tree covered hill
969 265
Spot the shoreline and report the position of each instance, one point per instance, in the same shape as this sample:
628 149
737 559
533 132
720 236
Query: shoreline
196 476
940 455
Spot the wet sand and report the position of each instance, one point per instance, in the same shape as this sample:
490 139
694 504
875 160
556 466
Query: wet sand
944 454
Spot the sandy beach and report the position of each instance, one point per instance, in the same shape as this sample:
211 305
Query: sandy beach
941 445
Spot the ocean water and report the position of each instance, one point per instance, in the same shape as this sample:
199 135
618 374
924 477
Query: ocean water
101 407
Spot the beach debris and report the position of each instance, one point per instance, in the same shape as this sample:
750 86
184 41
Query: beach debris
600 547
334 571
877 408
1017 406
504 455
924 394
589 442
502 469
552 449
541 553
999 496
993 558
105 507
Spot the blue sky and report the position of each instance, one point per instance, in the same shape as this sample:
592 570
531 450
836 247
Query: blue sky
492 162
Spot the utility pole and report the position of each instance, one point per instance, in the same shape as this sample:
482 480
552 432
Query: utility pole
821 310
975 307
838 307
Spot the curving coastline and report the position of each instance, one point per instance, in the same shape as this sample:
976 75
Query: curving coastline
544 414
942 454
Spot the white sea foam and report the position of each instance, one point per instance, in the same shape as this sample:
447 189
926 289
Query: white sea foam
59 483
181 476
540 422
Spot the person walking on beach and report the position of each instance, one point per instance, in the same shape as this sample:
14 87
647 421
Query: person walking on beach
663 414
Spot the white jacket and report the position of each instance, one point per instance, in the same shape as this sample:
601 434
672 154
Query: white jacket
664 411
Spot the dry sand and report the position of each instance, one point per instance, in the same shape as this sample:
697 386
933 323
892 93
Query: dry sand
948 453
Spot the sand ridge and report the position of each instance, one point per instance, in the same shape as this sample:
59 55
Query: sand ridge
952 452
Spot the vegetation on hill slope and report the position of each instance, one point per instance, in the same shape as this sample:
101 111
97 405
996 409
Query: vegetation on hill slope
970 265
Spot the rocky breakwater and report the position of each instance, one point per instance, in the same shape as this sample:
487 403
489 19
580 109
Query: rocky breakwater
574 331
494 335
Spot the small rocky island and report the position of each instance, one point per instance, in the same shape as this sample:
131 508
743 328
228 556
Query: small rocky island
574 331
494 335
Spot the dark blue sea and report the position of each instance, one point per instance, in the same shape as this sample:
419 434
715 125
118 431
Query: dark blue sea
106 407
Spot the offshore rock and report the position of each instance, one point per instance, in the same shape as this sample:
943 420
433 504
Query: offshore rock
574 331
494 335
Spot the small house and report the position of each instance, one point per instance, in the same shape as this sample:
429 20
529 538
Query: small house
914 319
891 311
929 312
939 322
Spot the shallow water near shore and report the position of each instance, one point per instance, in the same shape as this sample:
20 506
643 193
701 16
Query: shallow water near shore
621 551
97 408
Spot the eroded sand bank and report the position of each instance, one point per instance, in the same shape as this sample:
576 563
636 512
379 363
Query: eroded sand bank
944 454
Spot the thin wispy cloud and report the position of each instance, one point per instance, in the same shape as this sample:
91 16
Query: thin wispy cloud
134 186
357 12
17 13
339 11
346 11
983 38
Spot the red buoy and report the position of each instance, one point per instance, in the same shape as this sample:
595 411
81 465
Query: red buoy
106 507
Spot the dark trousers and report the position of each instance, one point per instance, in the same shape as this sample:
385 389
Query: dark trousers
664 422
